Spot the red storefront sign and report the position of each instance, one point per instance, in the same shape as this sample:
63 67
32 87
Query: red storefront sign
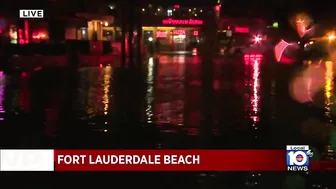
161 34
179 32
242 30
171 21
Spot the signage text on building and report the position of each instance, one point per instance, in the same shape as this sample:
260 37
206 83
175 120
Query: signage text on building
171 21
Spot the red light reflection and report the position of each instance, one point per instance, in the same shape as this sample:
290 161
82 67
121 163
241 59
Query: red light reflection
250 58
2 93
26 31
25 92
252 62
21 40
194 51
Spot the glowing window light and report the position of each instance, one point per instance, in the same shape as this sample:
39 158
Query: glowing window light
39 35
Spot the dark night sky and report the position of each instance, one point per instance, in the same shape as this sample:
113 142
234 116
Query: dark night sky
259 8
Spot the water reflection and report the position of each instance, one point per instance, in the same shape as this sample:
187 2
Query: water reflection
329 87
170 92
2 93
255 98
174 97
150 90
106 88
94 92
329 93
24 92
252 72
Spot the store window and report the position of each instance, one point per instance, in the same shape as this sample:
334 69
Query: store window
13 34
39 36
82 33
107 34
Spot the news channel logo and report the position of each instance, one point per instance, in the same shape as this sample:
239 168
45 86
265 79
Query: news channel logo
298 157
33 13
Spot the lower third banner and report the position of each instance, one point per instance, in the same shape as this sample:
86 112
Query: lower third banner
170 160
148 160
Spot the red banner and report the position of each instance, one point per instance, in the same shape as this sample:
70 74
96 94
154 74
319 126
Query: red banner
170 160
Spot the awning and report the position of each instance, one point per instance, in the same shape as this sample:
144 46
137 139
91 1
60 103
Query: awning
88 16
74 21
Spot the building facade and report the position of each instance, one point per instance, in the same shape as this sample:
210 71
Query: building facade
173 27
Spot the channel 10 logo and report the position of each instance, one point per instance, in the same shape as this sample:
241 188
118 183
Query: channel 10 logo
298 157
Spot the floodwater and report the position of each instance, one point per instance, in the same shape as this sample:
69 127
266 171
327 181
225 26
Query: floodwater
174 102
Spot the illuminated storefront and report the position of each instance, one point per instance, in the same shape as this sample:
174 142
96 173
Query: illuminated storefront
28 32
239 32
90 27
174 34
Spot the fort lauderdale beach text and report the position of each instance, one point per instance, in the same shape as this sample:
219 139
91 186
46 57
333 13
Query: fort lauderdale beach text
128 159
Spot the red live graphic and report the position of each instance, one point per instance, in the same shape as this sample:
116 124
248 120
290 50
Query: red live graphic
170 160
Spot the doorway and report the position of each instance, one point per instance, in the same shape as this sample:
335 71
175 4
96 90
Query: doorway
179 42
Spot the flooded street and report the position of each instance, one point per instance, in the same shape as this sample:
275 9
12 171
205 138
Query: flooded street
251 103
